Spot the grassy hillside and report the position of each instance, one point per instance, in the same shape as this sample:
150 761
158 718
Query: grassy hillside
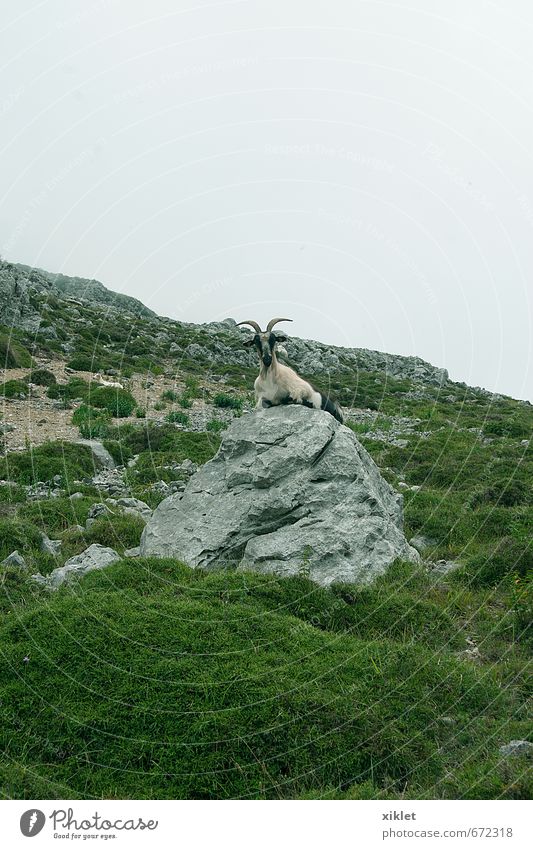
149 679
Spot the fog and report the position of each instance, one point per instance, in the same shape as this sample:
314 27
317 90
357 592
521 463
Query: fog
362 167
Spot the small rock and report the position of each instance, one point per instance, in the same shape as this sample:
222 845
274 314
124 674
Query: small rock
76 496
15 559
94 557
136 506
133 552
516 747
51 546
442 567
421 543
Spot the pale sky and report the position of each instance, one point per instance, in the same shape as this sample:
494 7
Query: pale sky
362 167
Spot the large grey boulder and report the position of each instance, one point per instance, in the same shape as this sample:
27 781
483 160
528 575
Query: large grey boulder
291 491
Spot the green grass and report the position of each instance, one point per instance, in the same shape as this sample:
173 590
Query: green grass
42 463
56 515
212 687
118 531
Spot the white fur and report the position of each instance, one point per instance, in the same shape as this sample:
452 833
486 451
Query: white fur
278 381
103 382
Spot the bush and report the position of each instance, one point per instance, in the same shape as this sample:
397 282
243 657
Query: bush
75 389
216 426
83 362
42 463
185 401
14 389
229 402
118 402
169 395
12 353
42 377
140 413
93 424
177 417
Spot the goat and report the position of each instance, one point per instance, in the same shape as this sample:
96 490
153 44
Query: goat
277 383
103 382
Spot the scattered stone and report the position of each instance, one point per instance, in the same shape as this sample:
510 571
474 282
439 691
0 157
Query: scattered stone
421 543
15 559
51 546
133 552
134 507
99 452
94 557
516 747
291 491
76 496
442 567
96 511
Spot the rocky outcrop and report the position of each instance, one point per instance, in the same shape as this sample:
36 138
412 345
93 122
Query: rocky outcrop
291 491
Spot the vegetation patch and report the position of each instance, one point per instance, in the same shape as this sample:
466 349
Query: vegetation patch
46 461
197 658
13 354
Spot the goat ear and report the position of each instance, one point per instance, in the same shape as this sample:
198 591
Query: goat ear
248 342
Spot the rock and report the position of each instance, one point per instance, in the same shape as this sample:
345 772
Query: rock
442 567
96 512
76 496
291 491
422 542
51 546
99 452
517 747
94 557
135 507
15 559
133 552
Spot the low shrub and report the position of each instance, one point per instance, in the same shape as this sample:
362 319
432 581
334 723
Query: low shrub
75 389
177 417
84 362
42 463
216 426
13 354
93 424
42 377
230 402
169 395
14 389
118 402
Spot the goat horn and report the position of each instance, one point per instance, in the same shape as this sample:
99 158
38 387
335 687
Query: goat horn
253 324
274 321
